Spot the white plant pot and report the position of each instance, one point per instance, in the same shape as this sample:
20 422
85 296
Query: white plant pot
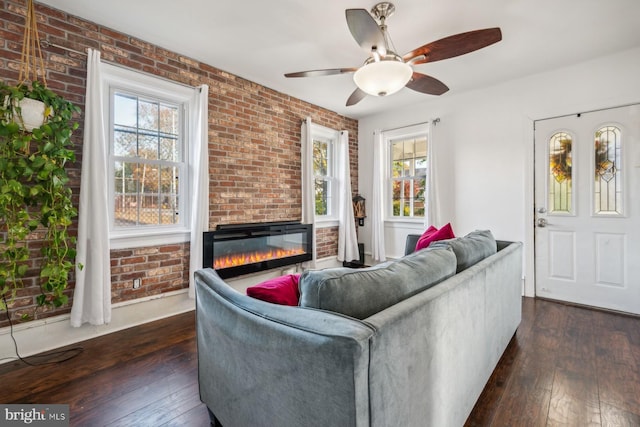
32 112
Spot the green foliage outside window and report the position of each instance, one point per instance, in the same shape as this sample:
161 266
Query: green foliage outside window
321 168
408 177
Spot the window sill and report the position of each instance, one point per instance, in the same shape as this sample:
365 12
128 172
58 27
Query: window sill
148 238
417 223
326 223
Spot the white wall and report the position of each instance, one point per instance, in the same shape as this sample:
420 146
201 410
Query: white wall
484 146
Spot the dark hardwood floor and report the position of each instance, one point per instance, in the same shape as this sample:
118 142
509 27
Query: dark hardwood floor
566 366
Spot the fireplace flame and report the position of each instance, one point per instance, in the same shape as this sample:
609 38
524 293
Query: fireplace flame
253 257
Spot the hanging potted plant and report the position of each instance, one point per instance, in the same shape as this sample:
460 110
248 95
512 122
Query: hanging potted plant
27 112
27 109
35 199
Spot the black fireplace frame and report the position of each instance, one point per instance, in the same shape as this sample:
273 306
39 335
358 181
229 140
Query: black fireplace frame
231 232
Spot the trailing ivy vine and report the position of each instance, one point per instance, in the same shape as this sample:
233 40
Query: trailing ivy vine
35 199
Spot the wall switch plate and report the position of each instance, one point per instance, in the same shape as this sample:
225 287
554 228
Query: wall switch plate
136 283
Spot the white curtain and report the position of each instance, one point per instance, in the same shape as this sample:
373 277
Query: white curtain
92 294
347 237
308 200
377 199
432 216
199 152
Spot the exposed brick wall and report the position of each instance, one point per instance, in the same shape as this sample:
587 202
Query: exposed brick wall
160 268
327 242
254 142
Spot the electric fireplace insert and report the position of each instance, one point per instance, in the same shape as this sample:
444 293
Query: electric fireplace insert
237 249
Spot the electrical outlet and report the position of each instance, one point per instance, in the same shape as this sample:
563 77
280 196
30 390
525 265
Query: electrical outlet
136 283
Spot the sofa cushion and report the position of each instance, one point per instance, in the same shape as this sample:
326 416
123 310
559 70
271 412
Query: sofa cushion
279 290
470 249
432 234
361 293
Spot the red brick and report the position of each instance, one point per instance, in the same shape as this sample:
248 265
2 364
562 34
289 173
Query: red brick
133 260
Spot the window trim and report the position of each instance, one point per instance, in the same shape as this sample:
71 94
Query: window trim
388 137
116 78
319 132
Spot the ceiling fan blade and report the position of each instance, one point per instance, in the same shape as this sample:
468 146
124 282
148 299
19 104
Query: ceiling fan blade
366 31
455 45
325 72
426 84
317 73
357 96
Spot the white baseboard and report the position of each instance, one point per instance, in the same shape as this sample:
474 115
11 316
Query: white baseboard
329 262
47 334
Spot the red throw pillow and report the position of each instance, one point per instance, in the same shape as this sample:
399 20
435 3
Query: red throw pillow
446 232
426 235
279 290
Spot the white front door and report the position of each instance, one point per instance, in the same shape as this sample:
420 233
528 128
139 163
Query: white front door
587 202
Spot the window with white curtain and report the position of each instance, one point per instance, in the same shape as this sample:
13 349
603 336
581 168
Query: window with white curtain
147 121
407 172
325 161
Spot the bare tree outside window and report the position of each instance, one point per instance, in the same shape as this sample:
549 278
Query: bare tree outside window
147 161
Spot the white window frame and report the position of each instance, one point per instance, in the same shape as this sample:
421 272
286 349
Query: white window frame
144 85
409 132
332 136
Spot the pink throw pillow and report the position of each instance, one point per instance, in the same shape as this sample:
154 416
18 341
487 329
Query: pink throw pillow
279 290
446 232
426 235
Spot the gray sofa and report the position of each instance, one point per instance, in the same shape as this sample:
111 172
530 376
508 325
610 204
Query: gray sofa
410 342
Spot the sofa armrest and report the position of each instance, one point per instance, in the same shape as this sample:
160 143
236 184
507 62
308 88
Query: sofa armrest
268 364
501 244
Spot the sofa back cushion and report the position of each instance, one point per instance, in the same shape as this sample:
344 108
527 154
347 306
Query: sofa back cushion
361 293
470 249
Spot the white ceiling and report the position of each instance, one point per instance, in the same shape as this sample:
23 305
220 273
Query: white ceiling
261 40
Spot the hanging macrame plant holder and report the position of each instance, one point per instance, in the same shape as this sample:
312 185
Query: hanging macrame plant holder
30 113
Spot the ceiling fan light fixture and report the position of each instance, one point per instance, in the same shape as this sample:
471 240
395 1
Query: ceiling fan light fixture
381 78
385 72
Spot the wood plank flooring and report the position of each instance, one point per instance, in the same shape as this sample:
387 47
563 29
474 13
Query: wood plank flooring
566 366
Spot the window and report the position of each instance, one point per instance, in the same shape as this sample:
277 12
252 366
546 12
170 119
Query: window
324 171
407 154
147 127
560 173
147 159
608 171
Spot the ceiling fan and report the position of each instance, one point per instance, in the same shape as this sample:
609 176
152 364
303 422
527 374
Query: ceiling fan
385 72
